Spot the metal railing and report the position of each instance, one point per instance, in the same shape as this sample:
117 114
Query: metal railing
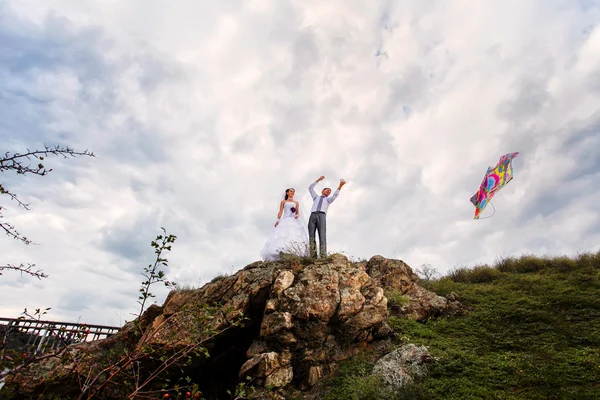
43 336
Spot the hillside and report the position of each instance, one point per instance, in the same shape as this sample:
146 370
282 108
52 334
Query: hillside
533 333
329 329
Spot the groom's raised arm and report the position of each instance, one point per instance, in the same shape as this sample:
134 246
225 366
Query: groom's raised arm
334 196
331 198
311 188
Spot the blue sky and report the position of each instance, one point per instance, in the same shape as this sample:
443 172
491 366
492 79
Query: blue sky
201 113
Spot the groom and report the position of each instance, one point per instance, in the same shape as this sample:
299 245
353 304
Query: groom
318 213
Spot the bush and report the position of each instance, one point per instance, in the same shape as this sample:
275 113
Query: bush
588 260
478 274
531 264
507 264
562 264
441 286
396 298
219 277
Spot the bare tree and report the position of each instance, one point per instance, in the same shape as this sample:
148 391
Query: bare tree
23 164
427 272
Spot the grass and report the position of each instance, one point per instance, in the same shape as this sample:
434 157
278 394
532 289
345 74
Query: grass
219 277
184 286
533 333
396 298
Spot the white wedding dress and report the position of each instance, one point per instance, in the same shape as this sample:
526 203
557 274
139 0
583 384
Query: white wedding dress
289 236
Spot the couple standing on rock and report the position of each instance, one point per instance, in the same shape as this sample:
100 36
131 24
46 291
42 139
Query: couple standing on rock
291 235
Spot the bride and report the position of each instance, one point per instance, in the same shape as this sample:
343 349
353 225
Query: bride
290 234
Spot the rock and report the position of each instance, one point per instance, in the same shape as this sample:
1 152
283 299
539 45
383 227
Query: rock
317 372
280 378
272 305
299 321
351 302
395 275
402 365
286 338
255 348
388 273
315 294
274 367
425 304
452 296
275 322
264 363
283 281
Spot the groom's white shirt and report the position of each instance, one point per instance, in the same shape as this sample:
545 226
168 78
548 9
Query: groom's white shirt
326 200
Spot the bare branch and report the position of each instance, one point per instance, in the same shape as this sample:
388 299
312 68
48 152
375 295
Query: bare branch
21 164
13 197
12 232
24 270
16 162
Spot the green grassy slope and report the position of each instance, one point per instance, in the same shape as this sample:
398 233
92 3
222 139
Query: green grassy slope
533 333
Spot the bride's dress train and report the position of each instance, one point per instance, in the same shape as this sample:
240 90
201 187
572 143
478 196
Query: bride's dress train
289 236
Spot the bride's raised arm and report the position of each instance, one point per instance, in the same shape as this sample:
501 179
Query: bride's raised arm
297 209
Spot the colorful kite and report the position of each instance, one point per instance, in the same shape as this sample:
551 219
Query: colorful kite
494 180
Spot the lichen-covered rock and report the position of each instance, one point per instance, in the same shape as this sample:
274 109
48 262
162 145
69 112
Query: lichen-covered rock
320 314
272 366
402 365
283 281
275 323
315 294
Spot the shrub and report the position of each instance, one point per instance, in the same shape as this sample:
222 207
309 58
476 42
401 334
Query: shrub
530 263
441 286
562 264
396 298
588 260
219 277
506 264
478 274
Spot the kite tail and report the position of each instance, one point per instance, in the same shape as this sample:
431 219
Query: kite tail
489 216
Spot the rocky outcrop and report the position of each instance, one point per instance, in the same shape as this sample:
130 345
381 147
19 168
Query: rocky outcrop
300 319
314 318
396 275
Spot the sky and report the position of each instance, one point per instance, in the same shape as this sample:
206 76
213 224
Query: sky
202 113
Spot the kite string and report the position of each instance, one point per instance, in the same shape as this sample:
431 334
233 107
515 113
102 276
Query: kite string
489 216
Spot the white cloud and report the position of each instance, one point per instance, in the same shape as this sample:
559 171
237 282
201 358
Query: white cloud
202 113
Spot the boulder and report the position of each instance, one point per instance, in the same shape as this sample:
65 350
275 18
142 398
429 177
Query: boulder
402 365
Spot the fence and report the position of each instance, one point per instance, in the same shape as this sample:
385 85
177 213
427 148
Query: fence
43 336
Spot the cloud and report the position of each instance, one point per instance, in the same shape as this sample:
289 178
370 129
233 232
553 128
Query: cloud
201 114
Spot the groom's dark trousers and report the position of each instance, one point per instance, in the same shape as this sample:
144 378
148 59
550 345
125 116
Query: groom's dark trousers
317 221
